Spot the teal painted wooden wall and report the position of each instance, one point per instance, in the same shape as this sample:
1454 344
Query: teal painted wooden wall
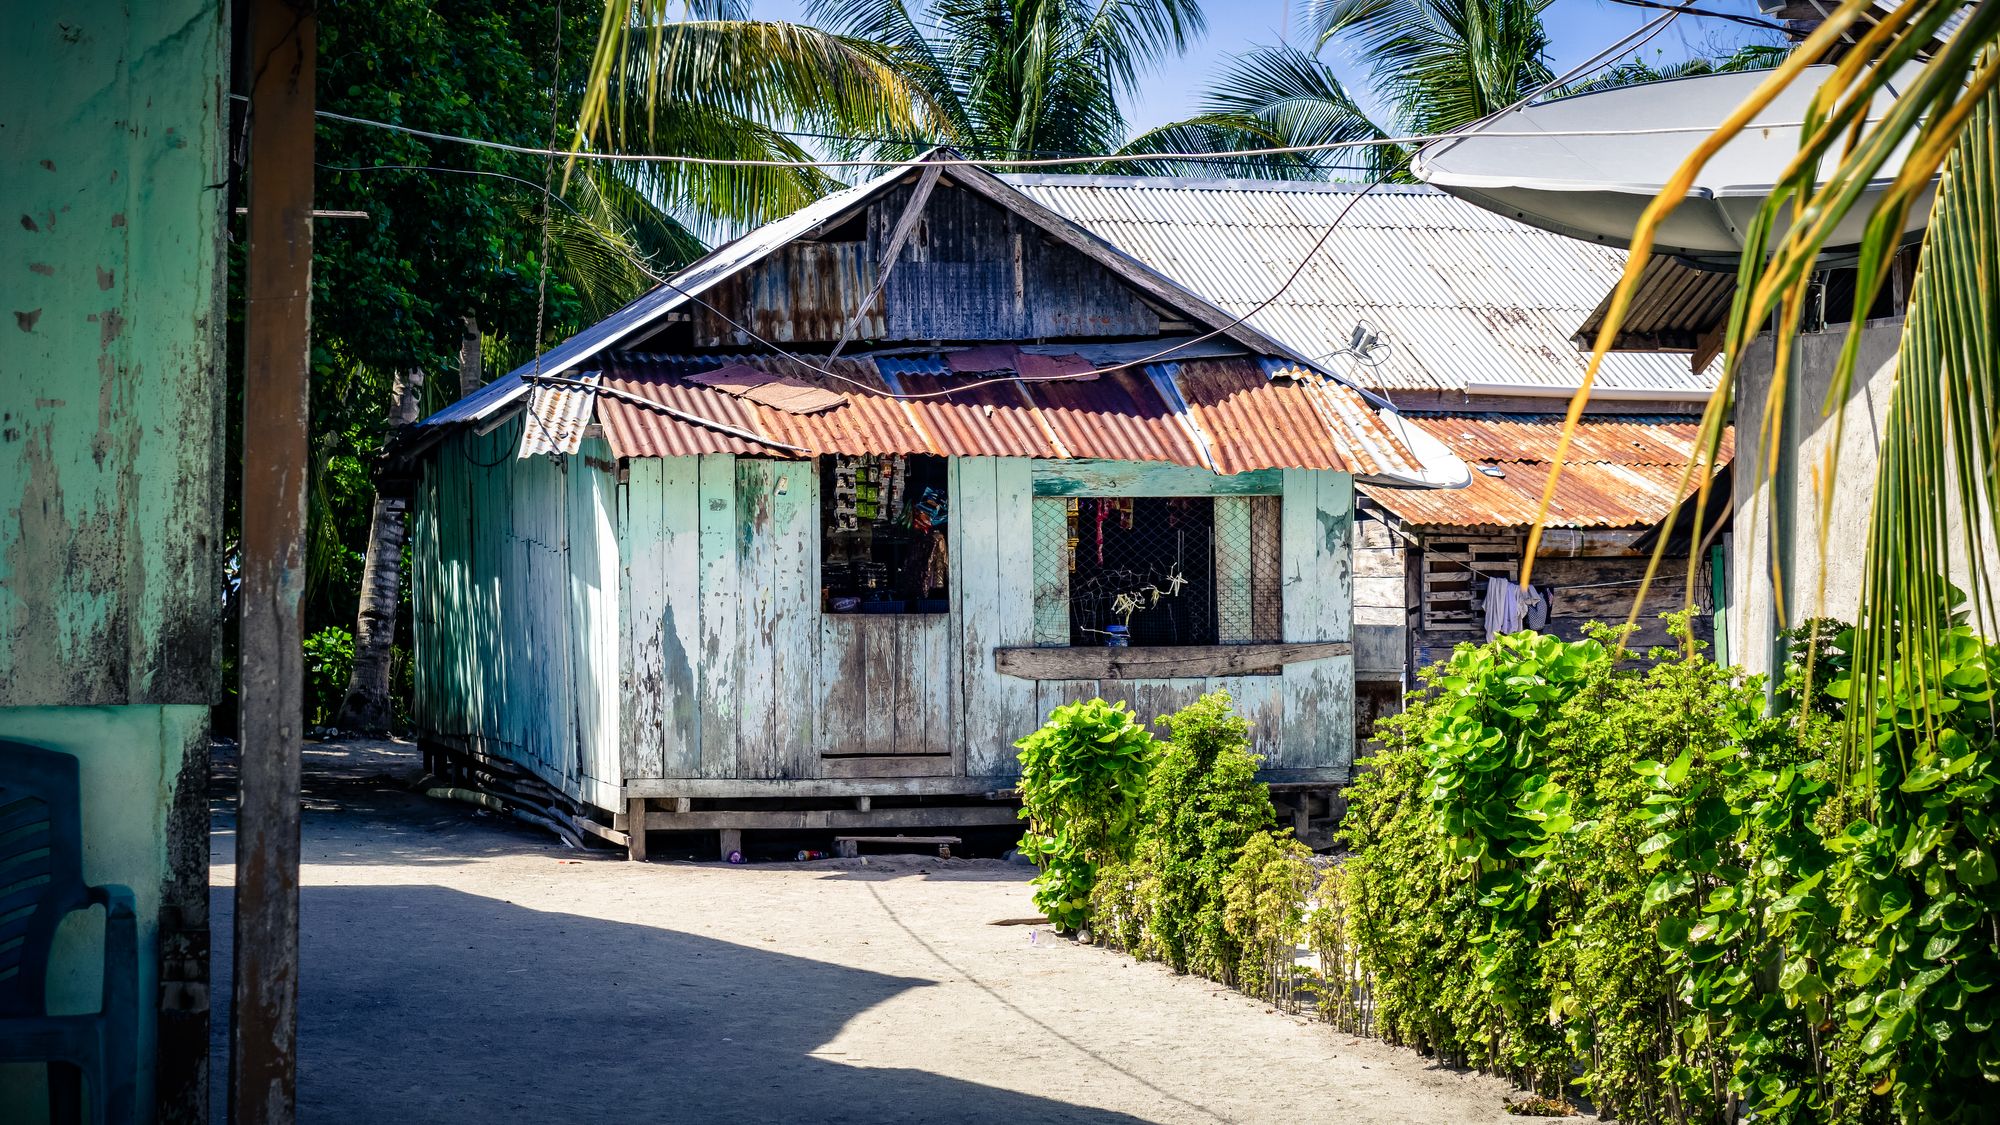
720 663
111 396
514 593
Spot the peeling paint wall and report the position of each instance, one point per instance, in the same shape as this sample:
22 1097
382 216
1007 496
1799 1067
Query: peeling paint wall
1815 585
111 120
669 626
111 397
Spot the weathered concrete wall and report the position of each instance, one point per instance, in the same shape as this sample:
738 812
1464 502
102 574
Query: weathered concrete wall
135 760
1813 586
111 122
111 397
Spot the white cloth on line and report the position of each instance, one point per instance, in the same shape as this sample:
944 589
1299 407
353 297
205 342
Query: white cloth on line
1509 607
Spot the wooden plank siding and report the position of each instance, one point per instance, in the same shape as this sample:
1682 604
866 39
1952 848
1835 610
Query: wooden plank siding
514 606
700 651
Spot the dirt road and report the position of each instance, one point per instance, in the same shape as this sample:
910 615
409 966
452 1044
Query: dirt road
460 968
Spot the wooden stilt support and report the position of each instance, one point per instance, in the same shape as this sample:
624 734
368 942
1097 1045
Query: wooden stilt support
635 829
731 840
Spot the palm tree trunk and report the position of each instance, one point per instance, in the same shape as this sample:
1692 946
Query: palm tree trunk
469 359
368 706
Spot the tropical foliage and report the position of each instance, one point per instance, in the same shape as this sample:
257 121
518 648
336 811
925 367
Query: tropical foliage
1203 804
1083 775
1020 77
1434 65
697 79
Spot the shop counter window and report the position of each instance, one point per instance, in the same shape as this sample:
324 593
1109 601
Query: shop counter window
1149 570
882 534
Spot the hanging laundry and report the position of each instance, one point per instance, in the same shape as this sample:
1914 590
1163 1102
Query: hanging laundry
1510 607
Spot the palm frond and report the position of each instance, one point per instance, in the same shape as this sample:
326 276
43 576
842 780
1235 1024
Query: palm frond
1276 97
1935 485
657 84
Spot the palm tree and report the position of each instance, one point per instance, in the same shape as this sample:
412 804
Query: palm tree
1434 65
1019 77
696 78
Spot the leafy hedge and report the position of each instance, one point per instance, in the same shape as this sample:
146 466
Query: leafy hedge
1083 774
1643 886
1650 887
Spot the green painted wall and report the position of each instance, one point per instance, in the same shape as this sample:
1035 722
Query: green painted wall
727 668
111 398
134 761
514 604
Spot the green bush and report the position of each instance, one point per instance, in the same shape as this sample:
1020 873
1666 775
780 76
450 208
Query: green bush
329 660
1203 804
1266 897
1083 775
1640 883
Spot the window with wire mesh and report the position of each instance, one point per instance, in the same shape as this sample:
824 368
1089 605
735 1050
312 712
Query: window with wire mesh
1168 570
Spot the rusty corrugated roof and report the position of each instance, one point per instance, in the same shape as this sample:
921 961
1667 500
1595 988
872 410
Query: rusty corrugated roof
1228 415
1620 471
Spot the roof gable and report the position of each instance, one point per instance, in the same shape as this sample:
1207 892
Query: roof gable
712 291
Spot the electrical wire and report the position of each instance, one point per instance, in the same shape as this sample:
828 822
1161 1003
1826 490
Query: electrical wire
1647 30
1706 13
1043 162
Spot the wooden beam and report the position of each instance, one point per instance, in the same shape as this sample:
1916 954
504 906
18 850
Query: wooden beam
802 820
277 335
888 765
1148 478
635 829
708 788
1166 662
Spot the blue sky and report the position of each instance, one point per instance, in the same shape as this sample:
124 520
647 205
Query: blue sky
1577 28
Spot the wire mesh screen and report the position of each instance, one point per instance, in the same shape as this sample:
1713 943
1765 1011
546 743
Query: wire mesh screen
1146 564
1172 571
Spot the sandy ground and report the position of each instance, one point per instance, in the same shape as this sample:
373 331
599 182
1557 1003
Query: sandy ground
462 968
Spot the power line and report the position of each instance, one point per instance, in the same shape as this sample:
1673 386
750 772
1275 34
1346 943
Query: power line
1043 162
1705 13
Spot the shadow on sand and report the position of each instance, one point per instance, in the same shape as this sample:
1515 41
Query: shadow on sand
421 1003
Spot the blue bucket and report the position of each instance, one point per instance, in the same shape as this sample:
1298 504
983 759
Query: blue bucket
1117 636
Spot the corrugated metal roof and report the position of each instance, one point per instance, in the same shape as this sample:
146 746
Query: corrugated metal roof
557 414
1620 471
1228 415
1675 308
725 261
1461 294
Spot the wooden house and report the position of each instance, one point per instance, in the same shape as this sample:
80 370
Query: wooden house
1474 325
808 536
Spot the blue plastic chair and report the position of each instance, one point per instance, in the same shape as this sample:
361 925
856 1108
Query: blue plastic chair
41 882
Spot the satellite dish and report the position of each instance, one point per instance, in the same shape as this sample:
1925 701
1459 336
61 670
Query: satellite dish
1364 345
1587 166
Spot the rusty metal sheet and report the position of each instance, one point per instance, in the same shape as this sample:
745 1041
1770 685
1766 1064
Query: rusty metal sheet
1221 414
1118 416
1628 440
556 416
1621 471
969 415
